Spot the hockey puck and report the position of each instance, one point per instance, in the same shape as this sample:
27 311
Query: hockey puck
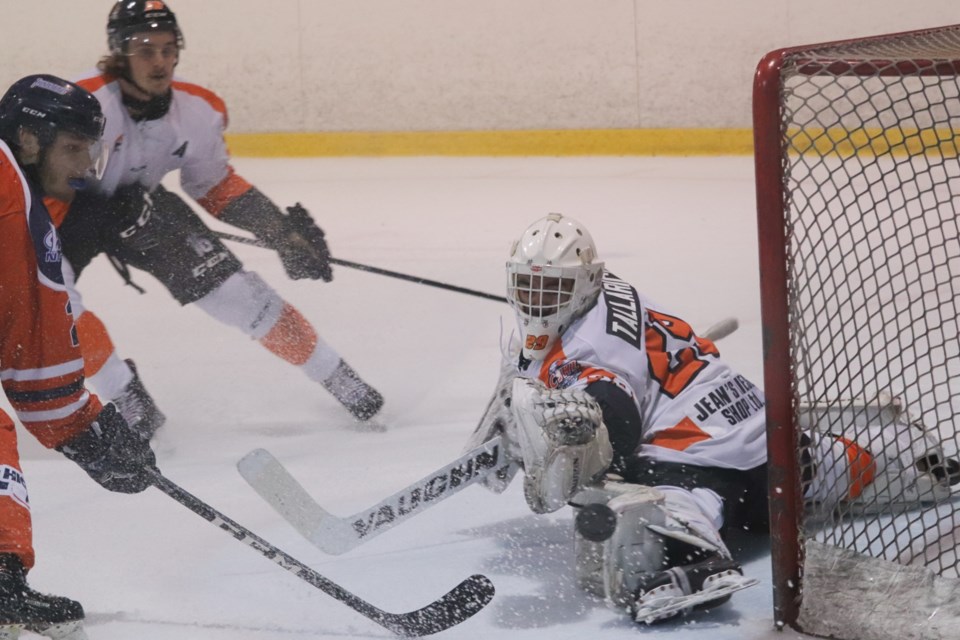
596 522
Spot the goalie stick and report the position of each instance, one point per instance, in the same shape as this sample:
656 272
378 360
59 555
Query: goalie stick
459 604
336 535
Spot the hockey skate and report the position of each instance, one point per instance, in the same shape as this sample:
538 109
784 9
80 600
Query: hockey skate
138 408
359 398
665 594
22 608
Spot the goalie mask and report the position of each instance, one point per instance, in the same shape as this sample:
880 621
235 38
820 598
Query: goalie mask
553 277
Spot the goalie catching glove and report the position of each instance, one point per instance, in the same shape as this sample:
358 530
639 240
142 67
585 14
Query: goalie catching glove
293 235
112 454
563 442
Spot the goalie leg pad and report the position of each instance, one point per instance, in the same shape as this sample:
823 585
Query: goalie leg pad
612 568
649 521
693 517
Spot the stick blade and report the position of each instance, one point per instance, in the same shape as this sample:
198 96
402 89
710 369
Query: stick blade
459 604
280 490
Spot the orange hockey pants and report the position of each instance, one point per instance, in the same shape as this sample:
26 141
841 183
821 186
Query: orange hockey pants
16 529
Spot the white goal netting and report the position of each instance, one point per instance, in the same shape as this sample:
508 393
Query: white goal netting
866 158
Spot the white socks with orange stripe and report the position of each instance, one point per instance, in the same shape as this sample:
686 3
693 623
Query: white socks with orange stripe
248 303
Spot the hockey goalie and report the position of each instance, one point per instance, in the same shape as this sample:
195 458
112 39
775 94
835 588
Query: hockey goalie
614 406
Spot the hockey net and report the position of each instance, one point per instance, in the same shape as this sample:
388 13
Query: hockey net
858 189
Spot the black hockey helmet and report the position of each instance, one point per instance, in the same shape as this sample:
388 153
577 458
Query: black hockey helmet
138 16
46 105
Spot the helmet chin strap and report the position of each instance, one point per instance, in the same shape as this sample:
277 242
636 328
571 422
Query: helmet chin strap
153 107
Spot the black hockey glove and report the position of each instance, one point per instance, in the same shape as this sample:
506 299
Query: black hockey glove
112 454
294 235
302 248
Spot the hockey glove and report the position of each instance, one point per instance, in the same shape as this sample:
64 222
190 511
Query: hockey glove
302 248
294 235
112 454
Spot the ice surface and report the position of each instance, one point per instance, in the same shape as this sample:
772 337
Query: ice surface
682 230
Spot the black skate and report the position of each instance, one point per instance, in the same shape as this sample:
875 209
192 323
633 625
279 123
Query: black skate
23 608
665 594
359 398
138 408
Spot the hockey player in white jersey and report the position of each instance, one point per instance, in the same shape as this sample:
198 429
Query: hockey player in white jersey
605 382
156 124
614 405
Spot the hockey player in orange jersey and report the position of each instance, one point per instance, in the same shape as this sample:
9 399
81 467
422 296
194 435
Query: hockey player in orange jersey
156 124
48 130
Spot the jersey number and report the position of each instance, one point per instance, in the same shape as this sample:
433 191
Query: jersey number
674 371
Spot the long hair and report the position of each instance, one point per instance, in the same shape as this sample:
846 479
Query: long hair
113 65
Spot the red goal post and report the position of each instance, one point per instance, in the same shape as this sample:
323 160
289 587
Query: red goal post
858 192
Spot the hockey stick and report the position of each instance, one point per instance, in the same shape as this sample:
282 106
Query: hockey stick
459 604
364 267
335 535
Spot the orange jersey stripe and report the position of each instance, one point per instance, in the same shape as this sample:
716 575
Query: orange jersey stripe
680 436
96 82
209 96
221 195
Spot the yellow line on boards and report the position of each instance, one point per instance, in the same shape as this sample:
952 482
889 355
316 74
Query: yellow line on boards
579 142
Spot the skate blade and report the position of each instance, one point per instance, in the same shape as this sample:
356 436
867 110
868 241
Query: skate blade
66 631
668 606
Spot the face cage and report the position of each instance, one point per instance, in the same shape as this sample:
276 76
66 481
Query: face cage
543 303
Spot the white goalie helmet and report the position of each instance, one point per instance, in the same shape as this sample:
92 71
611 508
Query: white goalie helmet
553 277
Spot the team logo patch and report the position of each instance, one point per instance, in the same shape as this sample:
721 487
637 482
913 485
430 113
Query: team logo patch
563 374
13 485
46 243
51 241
